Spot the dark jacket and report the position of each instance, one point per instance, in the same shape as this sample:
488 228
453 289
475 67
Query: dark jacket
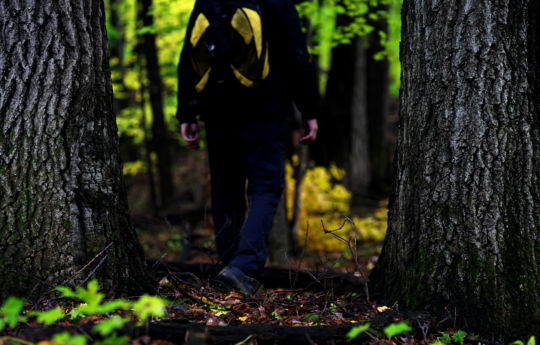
292 76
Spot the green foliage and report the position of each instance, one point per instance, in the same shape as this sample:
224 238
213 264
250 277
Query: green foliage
91 298
114 339
312 317
445 338
396 329
48 317
356 331
532 341
10 313
459 337
65 338
90 295
147 306
108 326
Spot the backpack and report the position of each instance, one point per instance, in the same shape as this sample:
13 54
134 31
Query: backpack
228 44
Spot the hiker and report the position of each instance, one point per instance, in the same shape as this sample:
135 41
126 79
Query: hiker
243 64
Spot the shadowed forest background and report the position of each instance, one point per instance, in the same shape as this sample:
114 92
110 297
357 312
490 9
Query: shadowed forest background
459 263
346 173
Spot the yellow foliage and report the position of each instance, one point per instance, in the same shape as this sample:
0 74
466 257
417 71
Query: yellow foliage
134 168
325 204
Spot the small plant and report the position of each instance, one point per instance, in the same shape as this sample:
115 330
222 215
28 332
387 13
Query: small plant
356 331
48 317
445 338
147 306
11 313
459 337
396 329
532 341
312 317
91 300
91 304
66 338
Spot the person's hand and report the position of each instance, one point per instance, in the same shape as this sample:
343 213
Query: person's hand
309 131
190 132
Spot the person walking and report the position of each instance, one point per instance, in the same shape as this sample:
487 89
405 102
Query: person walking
243 65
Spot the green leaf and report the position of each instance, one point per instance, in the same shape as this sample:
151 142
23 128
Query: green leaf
113 340
11 312
90 295
459 337
396 328
531 341
147 306
65 338
445 339
356 331
311 317
48 317
108 326
67 292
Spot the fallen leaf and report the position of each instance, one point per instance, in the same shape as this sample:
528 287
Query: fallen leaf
382 309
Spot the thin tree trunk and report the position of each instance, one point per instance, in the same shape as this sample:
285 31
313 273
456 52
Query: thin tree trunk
378 109
160 137
116 45
152 196
62 199
279 240
358 173
464 221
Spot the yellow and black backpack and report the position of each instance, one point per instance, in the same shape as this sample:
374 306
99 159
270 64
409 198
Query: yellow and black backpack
228 44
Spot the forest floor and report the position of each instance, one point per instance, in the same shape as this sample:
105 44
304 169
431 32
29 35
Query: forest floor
314 299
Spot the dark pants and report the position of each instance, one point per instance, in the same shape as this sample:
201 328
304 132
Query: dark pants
236 153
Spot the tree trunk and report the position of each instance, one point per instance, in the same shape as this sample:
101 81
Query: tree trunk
121 98
279 246
464 225
62 200
333 140
378 109
358 165
160 137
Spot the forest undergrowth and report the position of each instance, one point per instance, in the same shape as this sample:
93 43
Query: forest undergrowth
328 304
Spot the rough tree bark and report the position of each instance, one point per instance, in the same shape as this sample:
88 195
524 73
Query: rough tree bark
160 137
464 226
62 200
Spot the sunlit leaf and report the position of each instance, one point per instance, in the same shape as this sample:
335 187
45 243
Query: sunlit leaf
65 338
108 326
356 331
147 306
48 317
396 329
11 312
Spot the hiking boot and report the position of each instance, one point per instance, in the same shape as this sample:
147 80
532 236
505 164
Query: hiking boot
234 277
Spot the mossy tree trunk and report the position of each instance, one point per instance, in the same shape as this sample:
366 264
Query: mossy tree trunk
464 226
62 200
